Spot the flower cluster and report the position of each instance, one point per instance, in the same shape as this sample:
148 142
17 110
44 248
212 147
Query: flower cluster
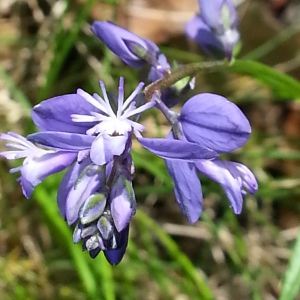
91 136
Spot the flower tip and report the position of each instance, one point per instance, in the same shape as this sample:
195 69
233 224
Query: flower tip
114 256
95 26
121 81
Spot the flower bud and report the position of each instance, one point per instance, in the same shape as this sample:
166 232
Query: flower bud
123 203
114 256
105 226
215 28
130 48
92 208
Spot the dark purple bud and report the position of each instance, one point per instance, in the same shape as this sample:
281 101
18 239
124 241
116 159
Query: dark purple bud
93 253
114 256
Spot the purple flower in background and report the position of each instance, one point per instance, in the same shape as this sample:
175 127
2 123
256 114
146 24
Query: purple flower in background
215 28
137 52
218 15
132 49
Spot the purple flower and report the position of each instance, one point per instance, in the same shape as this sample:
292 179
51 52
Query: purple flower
235 179
218 15
132 49
38 163
108 123
215 28
217 125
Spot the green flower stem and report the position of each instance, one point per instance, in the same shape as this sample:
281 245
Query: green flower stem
178 74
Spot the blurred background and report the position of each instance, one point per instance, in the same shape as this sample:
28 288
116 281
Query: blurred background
47 49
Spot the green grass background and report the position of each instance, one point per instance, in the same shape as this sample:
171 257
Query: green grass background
223 256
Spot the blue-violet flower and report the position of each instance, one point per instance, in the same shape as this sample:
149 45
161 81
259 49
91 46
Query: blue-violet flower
215 28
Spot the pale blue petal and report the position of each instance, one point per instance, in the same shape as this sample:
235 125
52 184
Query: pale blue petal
217 171
86 185
105 147
34 171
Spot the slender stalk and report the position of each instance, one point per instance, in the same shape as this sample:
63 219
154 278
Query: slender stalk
178 74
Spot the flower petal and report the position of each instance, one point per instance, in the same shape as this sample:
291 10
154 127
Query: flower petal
55 113
105 147
187 188
123 203
68 183
34 171
62 140
214 122
243 175
197 30
218 171
86 185
176 149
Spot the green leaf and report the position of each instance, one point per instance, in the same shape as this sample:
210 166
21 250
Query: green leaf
283 85
291 281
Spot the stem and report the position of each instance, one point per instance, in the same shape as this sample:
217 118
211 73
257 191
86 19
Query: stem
170 115
178 74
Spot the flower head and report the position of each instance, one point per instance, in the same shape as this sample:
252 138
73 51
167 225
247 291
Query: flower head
93 137
109 123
